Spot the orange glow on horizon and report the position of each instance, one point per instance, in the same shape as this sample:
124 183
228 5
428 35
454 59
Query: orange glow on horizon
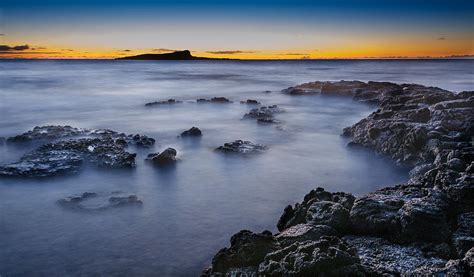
350 50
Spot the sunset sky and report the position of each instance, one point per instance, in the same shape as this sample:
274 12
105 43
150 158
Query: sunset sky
243 29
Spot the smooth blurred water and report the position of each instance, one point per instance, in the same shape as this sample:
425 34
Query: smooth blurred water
190 210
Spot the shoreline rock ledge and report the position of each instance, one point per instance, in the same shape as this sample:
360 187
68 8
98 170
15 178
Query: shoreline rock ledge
422 227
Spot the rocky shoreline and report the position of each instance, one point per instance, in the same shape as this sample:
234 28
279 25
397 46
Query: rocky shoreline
422 227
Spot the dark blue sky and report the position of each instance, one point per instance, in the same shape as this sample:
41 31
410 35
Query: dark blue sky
440 26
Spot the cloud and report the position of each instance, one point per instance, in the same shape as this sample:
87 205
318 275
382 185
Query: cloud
441 38
126 50
1 35
14 48
25 52
296 54
230 52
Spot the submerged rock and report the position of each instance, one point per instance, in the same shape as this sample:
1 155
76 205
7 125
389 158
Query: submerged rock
214 100
91 201
193 132
168 156
164 102
241 147
264 114
250 102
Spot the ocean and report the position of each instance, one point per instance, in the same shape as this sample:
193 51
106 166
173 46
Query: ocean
190 210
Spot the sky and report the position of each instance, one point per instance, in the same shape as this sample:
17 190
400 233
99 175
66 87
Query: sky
258 29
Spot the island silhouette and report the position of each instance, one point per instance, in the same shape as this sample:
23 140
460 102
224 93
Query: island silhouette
176 55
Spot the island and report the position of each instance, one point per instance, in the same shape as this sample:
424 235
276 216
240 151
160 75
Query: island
173 56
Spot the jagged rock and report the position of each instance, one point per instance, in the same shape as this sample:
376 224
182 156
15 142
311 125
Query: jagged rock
328 213
463 237
250 102
168 156
98 202
327 256
267 120
55 132
264 114
241 147
410 228
404 213
67 157
49 132
193 132
304 232
461 191
319 207
42 164
247 250
384 257
459 267
408 117
164 102
214 100
138 140
425 219
420 170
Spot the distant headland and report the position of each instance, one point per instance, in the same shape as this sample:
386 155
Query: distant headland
177 55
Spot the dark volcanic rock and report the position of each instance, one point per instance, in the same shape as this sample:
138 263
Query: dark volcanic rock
463 237
67 156
250 102
264 114
164 102
56 132
304 232
383 257
327 256
49 132
193 132
423 227
91 201
168 156
247 250
319 207
241 147
253 254
44 163
138 140
403 213
222 100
